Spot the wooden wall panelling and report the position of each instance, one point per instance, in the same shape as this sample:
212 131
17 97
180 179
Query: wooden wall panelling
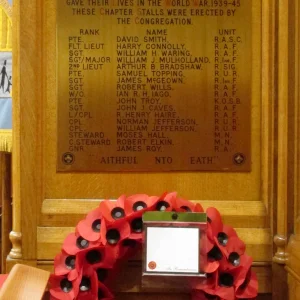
49 204
196 185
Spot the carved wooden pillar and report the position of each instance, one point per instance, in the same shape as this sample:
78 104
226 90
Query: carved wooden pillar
280 238
26 128
293 263
15 235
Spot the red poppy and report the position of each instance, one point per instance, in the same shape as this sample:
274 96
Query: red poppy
89 228
231 281
215 221
128 248
229 242
214 226
62 288
113 233
104 293
215 286
198 208
204 284
136 226
211 266
221 284
166 202
235 261
241 272
98 257
183 205
113 210
249 287
88 287
139 202
64 264
131 226
107 276
74 243
225 237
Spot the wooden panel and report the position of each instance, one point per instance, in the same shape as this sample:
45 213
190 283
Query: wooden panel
197 185
258 241
294 286
67 212
55 202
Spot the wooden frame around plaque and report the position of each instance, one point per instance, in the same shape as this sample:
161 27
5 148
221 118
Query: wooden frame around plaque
154 85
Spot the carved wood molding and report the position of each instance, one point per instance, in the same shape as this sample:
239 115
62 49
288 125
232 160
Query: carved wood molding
282 44
281 255
16 240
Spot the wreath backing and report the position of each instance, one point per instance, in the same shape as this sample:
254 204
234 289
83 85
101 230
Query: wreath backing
90 257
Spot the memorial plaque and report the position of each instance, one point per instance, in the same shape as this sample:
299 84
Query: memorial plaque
154 85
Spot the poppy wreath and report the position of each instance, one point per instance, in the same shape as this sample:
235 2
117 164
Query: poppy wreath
112 233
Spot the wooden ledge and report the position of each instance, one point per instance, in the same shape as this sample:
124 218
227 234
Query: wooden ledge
68 212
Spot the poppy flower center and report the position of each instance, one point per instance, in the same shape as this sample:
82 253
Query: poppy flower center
81 243
96 226
186 208
85 284
139 205
129 243
113 236
215 253
70 262
226 280
101 274
117 213
93 256
162 205
222 238
234 259
137 225
66 285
